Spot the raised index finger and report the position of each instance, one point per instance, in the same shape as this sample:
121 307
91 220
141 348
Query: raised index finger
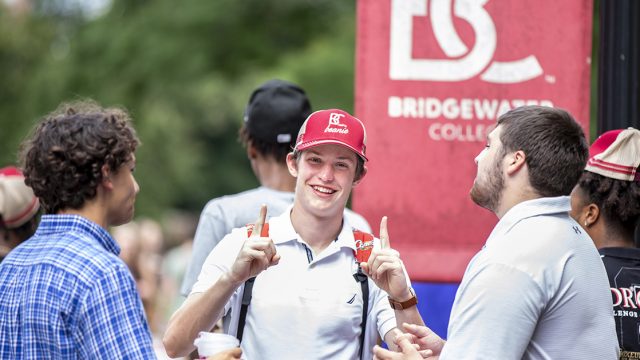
384 234
257 227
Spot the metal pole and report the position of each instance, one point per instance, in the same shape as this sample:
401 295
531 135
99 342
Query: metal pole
619 68
619 65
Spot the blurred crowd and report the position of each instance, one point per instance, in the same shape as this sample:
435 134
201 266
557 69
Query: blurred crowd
157 253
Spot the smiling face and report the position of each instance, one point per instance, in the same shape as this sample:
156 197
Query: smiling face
324 179
489 183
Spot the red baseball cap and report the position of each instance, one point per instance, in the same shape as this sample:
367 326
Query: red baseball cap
18 204
333 126
616 154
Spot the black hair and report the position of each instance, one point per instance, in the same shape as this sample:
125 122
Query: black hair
618 201
62 161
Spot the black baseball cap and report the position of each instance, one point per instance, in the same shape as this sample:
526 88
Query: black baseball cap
276 111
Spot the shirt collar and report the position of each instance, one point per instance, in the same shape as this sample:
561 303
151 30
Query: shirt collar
527 209
282 230
50 224
621 252
345 237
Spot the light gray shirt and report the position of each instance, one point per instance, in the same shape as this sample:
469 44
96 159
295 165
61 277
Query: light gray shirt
223 214
537 290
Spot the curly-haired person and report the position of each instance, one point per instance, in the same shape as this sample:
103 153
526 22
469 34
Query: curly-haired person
606 202
64 293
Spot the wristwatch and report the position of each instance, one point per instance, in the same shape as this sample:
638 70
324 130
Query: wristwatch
401 305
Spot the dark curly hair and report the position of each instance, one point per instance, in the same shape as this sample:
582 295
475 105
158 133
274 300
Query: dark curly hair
554 143
62 160
618 200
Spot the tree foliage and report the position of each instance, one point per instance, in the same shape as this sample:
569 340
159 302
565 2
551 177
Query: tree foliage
183 69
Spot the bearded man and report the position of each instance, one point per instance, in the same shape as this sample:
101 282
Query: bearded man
537 289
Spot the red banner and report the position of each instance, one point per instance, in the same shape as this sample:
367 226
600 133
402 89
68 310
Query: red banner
432 77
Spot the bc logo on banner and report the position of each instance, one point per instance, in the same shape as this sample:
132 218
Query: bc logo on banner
432 79
404 67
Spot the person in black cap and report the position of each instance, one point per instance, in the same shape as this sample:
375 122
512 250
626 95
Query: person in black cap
275 112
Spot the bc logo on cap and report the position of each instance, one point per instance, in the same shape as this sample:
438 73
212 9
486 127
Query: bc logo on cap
334 120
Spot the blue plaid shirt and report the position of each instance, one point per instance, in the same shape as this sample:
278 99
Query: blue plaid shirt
65 294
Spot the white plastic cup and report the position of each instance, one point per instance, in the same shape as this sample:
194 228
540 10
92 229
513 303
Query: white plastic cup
209 344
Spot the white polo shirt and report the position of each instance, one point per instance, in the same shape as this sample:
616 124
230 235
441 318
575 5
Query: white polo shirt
308 306
537 290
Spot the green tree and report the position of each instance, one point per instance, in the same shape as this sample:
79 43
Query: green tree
184 71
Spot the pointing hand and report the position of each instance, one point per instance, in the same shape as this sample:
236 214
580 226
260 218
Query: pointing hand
385 268
257 254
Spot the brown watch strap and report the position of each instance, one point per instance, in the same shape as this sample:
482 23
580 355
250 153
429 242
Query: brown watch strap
401 305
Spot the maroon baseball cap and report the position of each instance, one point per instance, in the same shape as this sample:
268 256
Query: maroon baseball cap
616 154
18 204
333 126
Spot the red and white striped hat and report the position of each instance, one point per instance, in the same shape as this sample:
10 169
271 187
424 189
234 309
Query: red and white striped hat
18 204
616 154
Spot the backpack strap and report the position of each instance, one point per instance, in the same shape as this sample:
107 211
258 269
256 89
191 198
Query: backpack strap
248 286
246 300
263 233
364 245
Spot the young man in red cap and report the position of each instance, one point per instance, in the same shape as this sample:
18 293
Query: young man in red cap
305 302
18 210
606 202
274 114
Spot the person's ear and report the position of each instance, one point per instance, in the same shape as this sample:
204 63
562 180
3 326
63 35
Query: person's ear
515 161
252 152
106 177
364 172
592 214
292 165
